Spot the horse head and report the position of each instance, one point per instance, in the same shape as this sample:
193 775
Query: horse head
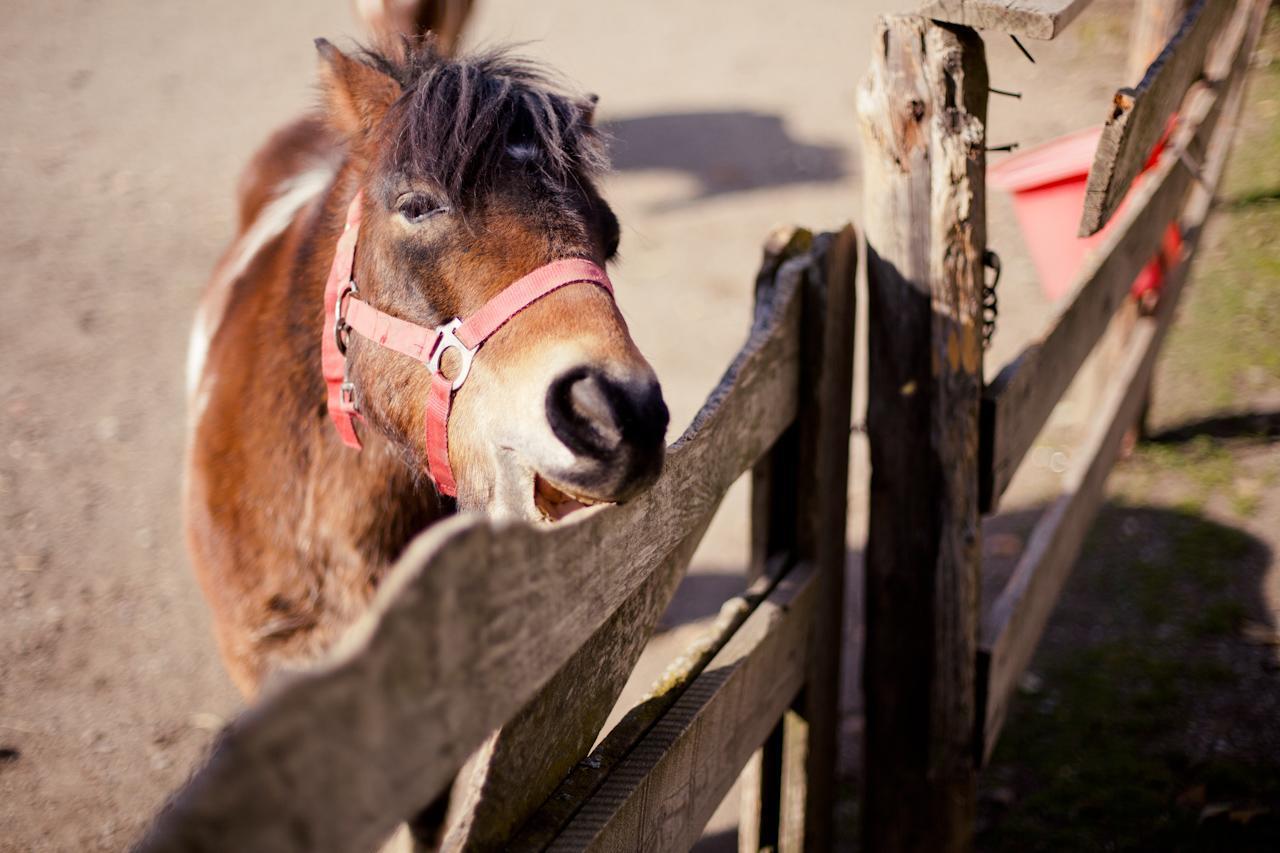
472 174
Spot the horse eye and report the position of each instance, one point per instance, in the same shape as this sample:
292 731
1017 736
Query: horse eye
418 207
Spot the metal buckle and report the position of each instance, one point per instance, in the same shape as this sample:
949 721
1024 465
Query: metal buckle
341 331
347 391
347 395
447 339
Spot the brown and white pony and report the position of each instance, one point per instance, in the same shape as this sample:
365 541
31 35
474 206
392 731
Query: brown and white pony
472 172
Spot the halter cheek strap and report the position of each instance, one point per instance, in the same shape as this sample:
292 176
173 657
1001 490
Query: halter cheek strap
428 346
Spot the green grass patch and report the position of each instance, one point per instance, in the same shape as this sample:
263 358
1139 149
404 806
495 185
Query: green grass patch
1223 353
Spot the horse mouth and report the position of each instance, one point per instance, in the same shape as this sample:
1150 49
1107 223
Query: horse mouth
556 503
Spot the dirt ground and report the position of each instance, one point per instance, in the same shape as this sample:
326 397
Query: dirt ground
125 126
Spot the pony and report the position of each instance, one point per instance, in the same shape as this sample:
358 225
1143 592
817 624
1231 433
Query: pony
451 178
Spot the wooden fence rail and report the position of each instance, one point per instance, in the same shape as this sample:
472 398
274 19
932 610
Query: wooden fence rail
1140 115
530 632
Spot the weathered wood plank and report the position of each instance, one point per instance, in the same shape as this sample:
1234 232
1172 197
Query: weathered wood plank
921 113
1013 626
811 733
475 619
1139 115
1037 19
519 767
664 792
1018 403
799 508
578 787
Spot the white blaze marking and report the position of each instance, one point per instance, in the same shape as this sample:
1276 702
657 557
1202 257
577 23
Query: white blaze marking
270 223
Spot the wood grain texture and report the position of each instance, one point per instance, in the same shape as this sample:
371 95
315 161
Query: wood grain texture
1013 626
921 111
1018 402
519 767
474 620
1037 19
1140 115
661 796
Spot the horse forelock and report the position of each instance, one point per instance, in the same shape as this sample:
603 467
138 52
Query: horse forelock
458 119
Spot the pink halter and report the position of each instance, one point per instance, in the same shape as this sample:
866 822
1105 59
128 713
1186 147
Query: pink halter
428 346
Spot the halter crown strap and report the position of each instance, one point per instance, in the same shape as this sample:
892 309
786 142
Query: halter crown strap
426 345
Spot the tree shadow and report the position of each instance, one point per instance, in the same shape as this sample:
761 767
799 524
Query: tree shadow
1147 719
726 151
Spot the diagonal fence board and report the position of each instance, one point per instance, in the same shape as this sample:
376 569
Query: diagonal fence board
1037 19
475 619
1017 619
1018 402
1139 116
581 785
664 792
508 778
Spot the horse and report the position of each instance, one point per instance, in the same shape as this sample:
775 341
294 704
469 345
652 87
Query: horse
337 405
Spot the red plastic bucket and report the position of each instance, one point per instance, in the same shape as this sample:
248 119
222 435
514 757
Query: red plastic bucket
1048 184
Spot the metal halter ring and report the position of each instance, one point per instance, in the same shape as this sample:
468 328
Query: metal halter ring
341 331
448 340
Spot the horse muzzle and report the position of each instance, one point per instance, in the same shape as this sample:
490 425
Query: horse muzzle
614 427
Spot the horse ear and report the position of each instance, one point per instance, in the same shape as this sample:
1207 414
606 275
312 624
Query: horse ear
588 107
356 95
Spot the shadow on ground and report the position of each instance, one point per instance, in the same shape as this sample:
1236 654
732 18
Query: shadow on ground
1238 425
729 151
1148 719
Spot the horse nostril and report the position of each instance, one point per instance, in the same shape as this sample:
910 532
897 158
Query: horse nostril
598 417
590 405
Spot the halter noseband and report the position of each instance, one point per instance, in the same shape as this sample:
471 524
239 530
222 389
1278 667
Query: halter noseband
349 313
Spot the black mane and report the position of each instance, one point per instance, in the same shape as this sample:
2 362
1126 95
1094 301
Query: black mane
458 118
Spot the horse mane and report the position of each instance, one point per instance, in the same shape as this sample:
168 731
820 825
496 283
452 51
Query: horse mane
459 118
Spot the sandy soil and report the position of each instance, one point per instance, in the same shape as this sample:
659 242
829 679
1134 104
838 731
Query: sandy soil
125 127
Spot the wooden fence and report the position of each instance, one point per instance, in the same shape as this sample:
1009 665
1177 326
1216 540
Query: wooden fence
941 668
494 652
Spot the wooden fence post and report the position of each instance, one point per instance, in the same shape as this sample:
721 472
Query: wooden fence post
922 110
799 510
